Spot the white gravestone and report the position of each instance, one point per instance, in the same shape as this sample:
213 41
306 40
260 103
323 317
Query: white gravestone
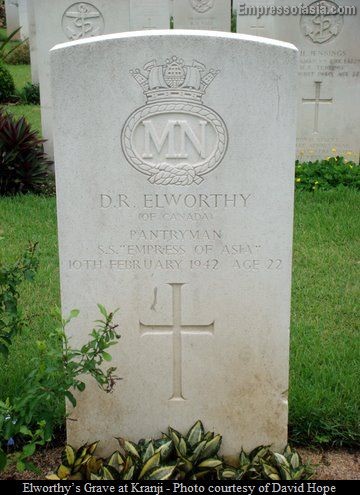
32 42
12 17
66 20
175 201
23 19
152 14
212 15
329 76
250 23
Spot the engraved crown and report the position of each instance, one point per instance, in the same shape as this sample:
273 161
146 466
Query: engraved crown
174 79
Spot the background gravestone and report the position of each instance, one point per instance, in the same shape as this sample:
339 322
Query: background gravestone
66 20
202 14
12 17
23 18
329 76
32 42
175 204
152 14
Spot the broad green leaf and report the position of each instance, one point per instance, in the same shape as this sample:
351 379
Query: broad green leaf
210 463
129 475
92 447
106 474
162 473
149 452
129 447
285 474
20 466
115 460
228 474
63 471
259 453
68 456
165 450
71 398
28 450
269 470
24 430
197 451
81 386
182 447
106 356
102 310
152 463
295 460
185 464
195 434
281 460
211 448
175 436
209 436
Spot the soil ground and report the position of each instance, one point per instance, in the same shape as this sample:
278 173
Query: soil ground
334 464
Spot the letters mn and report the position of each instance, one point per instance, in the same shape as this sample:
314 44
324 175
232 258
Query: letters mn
172 136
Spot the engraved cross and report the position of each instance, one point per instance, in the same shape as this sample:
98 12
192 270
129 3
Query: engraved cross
317 101
149 24
257 27
177 330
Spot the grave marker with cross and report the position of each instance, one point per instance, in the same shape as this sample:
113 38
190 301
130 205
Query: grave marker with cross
177 330
317 101
257 27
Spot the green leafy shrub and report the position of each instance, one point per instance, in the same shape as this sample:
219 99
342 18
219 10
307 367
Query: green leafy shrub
20 55
327 174
30 94
263 464
11 318
7 46
24 167
57 370
7 86
190 457
2 14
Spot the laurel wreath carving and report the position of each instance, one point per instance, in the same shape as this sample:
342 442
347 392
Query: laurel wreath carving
182 174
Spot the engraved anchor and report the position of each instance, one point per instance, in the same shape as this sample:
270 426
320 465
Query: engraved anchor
323 23
82 22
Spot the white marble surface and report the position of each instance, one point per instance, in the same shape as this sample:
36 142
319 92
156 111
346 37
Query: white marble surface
175 204
152 14
213 15
12 17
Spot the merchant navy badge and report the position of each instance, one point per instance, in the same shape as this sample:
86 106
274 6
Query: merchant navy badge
202 6
174 138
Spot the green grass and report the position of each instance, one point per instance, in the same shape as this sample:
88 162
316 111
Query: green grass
325 345
30 112
22 75
25 218
324 376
